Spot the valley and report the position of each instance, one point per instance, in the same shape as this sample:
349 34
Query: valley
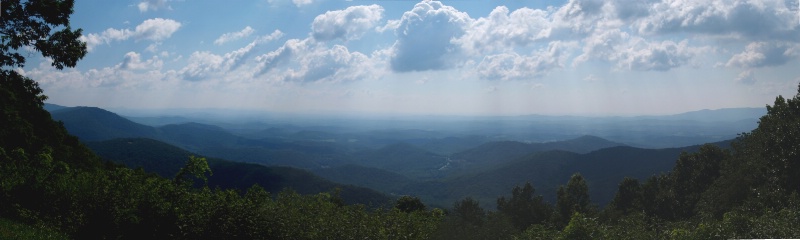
375 160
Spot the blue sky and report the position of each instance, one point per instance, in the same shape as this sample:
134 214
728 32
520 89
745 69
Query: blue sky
577 57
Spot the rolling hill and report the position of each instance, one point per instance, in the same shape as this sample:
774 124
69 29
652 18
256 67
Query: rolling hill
403 158
603 170
498 153
96 124
374 178
165 160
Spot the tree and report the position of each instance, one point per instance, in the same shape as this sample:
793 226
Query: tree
43 25
692 175
196 167
574 197
765 166
627 197
409 204
469 212
524 208
581 227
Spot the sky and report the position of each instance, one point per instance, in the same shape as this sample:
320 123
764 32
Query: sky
576 57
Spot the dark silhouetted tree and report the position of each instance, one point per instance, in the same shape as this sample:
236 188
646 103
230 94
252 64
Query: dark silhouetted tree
409 204
43 25
628 196
524 209
574 197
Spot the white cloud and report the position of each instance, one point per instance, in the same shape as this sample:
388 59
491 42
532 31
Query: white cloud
132 61
132 73
346 24
236 58
425 37
659 56
763 54
602 45
631 9
156 29
501 30
152 5
300 3
767 19
746 77
512 66
201 66
305 61
232 36
281 55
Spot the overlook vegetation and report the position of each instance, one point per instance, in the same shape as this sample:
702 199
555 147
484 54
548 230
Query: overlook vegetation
128 182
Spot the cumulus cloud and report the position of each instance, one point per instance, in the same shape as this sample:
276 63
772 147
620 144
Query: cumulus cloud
346 24
740 18
763 54
512 66
330 64
152 5
631 9
235 58
658 56
305 61
232 36
201 65
281 55
204 65
133 61
502 30
425 37
156 29
602 45
746 77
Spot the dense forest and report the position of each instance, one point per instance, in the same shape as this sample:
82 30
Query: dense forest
53 187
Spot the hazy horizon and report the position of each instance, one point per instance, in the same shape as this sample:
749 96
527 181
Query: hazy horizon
459 58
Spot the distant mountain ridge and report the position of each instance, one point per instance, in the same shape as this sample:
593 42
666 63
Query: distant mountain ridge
494 153
724 114
603 170
165 160
404 165
96 124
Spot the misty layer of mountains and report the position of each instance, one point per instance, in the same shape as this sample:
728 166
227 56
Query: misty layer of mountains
439 159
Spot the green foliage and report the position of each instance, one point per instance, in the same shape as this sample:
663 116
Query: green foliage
581 227
628 196
196 167
574 198
44 25
409 204
524 208
15 230
538 232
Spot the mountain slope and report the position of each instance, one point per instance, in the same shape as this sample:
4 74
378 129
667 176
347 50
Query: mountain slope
498 153
165 160
403 158
603 170
96 124
373 178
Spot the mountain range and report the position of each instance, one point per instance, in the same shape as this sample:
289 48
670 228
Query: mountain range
440 170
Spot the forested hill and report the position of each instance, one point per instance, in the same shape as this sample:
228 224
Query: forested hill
166 160
96 124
